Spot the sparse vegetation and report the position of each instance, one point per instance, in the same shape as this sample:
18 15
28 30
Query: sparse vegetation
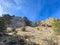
56 26
31 33
13 29
23 29
6 18
2 25
37 28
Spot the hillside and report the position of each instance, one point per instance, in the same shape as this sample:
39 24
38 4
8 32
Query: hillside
42 34
21 31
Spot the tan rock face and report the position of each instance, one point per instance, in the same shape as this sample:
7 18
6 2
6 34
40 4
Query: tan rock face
47 23
35 35
39 23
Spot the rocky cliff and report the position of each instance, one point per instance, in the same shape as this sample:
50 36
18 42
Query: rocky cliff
21 31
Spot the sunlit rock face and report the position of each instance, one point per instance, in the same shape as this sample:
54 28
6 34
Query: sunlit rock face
47 23
49 20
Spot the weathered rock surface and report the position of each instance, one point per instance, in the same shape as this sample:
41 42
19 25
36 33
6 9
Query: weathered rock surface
42 34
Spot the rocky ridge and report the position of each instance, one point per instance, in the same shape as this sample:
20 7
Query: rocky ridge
41 34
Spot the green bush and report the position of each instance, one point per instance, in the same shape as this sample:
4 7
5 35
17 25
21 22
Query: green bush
13 29
2 25
37 28
56 25
23 29
6 18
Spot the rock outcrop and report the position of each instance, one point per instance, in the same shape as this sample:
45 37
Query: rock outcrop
19 22
24 34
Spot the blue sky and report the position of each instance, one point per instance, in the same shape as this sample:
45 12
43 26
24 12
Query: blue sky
33 9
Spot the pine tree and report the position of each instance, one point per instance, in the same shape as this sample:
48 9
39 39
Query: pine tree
6 18
2 25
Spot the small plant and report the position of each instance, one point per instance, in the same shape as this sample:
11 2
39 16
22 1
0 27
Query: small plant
26 36
13 29
23 29
37 28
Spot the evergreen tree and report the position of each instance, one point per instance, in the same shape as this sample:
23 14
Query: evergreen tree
6 18
2 25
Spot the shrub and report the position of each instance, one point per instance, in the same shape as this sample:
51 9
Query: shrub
56 25
13 29
2 25
37 28
23 29
6 18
